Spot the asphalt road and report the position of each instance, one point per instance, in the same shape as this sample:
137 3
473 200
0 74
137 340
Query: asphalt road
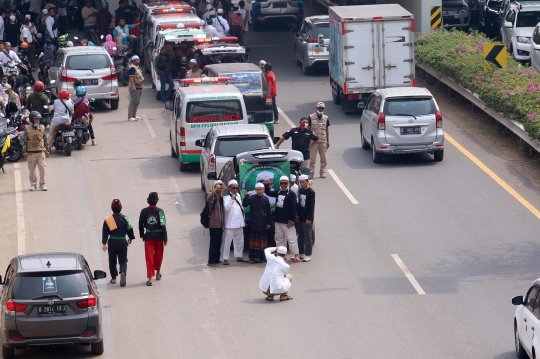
469 244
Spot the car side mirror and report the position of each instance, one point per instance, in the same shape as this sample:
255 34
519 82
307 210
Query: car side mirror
507 24
517 300
168 105
276 139
320 40
99 274
199 143
212 176
304 171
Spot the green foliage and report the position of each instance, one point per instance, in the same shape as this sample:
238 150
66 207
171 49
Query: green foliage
513 91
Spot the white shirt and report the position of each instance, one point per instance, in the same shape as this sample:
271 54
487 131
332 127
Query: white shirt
274 274
234 216
246 16
5 60
25 32
61 113
49 24
294 188
221 25
1 28
211 30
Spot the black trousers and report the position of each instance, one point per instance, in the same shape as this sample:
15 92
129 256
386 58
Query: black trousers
117 250
214 252
274 109
305 243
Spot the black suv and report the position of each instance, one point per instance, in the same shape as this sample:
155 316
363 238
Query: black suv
488 15
50 298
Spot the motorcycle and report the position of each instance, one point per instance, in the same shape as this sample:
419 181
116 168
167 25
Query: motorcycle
63 136
15 150
19 88
80 127
18 120
43 74
122 60
5 141
27 69
13 71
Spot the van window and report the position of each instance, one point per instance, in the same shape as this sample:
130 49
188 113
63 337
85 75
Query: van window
214 111
88 62
231 146
249 83
320 29
416 106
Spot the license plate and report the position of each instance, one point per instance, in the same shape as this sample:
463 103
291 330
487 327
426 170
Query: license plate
49 310
411 130
279 5
68 134
90 82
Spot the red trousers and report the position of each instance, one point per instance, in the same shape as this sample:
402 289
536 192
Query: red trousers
153 251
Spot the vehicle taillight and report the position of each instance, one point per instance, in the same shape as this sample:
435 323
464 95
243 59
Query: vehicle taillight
212 163
15 336
312 40
89 302
268 100
12 307
381 123
65 77
182 137
112 76
89 331
438 119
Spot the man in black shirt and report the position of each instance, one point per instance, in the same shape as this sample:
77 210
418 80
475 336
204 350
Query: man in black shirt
125 11
115 228
301 139
306 214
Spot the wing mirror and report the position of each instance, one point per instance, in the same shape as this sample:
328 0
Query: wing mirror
212 176
99 274
517 300
507 24
320 40
199 143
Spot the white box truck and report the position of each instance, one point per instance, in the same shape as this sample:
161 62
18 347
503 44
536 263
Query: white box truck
371 47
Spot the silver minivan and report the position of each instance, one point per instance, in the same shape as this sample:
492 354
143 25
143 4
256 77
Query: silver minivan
402 120
90 64
270 10
308 52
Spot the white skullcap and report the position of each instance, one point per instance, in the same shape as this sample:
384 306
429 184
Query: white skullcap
262 62
218 182
231 182
12 18
283 178
220 11
293 178
45 11
134 57
303 178
213 12
193 61
282 250
7 87
209 6
258 185
27 16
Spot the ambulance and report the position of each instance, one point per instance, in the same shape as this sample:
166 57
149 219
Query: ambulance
198 105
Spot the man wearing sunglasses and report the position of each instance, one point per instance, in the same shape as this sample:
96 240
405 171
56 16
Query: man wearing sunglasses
285 213
234 224
319 124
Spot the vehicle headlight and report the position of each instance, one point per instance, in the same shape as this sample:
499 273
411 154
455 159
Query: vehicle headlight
524 39
465 8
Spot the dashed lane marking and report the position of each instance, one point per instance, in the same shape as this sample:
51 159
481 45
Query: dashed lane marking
286 118
342 186
21 231
148 126
408 274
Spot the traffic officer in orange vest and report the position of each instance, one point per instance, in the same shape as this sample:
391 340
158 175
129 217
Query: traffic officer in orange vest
319 124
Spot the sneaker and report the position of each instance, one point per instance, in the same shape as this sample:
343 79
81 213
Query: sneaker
33 188
94 142
310 177
42 187
132 119
276 121
306 259
122 279
137 118
302 256
323 175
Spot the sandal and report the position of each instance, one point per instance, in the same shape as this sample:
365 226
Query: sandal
148 283
286 298
268 299
112 281
159 278
225 262
212 264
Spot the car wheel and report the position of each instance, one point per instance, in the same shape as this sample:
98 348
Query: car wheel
97 348
173 152
336 97
438 156
365 144
184 167
375 155
520 351
8 353
298 62
305 70
114 104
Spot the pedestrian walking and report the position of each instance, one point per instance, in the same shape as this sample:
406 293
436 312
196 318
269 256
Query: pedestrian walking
234 224
136 80
285 213
247 19
302 137
35 150
217 222
163 64
276 279
259 222
319 124
89 14
152 219
236 24
115 228
306 213
221 25
271 81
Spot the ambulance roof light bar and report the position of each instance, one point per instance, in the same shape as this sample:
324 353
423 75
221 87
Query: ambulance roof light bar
179 26
205 81
225 39
172 10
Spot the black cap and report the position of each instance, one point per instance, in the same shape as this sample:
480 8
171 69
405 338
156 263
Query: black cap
153 196
268 66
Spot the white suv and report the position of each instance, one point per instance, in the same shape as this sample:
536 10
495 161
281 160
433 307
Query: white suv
526 321
224 142
402 120
518 25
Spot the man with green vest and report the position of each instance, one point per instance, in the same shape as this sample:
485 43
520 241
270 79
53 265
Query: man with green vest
115 228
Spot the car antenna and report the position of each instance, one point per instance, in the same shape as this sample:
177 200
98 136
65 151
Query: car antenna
48 264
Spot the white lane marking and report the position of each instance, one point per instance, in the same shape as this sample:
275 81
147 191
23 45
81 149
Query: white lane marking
179 200
21 231
408 274
342 186
286 118
152 134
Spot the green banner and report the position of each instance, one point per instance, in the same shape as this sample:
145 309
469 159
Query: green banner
250 174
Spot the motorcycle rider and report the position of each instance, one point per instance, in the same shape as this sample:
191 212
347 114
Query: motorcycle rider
7 55
35 151
13 101
27 37
63 109
49 51
37 100
82 109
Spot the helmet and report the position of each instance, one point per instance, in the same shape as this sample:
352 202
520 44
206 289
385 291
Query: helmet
69 44
105 3
80 91
62 40
132 38
34 114
64 95
38 86
24 45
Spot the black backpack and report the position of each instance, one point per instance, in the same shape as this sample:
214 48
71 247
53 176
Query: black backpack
206 213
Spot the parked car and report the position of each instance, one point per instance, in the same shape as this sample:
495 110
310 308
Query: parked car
488 14
90 64
535 48
402 120
526 319
308 52
456 13
224 142
50 298
504 7
272 10
518 26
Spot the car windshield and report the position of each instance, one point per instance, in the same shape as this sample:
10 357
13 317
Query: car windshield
214 111
88 62
63 284
231 146
415 106
321 29
528 19
495 4
226 58
249 83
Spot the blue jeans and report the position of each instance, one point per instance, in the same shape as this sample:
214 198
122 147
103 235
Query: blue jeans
166 78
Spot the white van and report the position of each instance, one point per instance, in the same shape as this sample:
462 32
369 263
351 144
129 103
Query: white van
198 106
